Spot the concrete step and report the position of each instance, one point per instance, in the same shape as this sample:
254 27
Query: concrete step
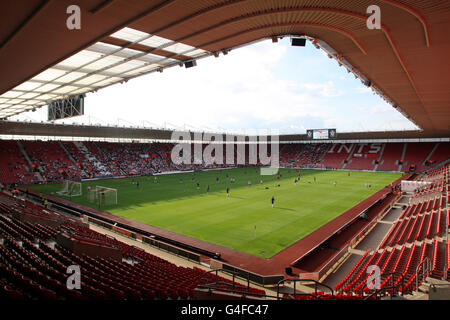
417 296
395 298
435 281
424 288
357 251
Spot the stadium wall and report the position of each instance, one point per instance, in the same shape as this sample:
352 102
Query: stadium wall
52 131
93 250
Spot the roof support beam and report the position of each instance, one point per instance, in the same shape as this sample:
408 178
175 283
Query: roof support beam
306 24
414 13
24 23
102 6
290 9
82 70
56 83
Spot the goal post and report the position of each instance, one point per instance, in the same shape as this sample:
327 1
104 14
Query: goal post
71 188
102 195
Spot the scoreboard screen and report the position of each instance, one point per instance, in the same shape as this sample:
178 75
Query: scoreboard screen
321 134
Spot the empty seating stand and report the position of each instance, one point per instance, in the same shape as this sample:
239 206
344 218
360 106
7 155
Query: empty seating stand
32 266
418 234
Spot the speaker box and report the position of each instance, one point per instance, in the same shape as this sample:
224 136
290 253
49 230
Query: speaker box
298 42
190 64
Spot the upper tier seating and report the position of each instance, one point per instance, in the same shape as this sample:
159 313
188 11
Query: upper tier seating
66 160
13 165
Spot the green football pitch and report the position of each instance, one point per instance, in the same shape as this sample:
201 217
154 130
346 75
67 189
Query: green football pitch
245 220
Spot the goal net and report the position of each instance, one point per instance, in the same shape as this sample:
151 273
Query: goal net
103 196
70 188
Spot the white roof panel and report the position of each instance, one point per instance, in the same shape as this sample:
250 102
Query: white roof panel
178 48
48 96
65 89
107 81
142 70
11 94
151 58
27 86
71 76
195 53
105 62
33 102
49 74
29 95
80 59
129 34
48 87
91 79
124 67
103 48
155 42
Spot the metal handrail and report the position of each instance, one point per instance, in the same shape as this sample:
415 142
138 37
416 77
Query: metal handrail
375 293
316 283
224 271
243 294
425 267
259 295
233 290
434 285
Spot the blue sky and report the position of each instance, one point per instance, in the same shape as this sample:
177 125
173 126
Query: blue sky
264 86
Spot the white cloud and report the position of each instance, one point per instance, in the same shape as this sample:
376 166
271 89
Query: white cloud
323 89
363 89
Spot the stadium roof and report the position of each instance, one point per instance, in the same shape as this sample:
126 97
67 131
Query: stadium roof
125 54
42 60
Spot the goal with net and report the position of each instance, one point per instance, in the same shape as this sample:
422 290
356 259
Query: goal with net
102 195
70 188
